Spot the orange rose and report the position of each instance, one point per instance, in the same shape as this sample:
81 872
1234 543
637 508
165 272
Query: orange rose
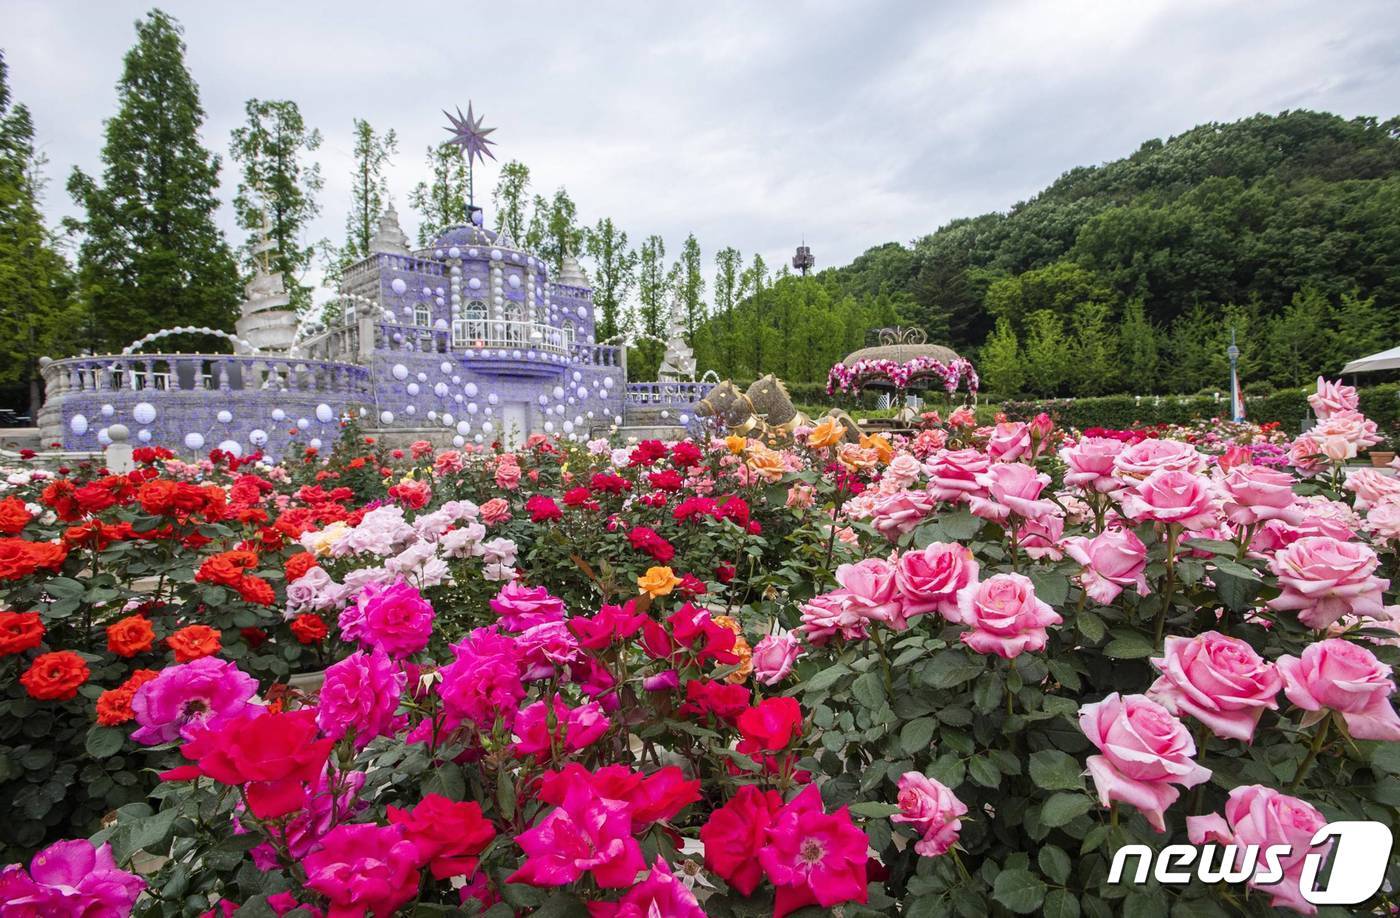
256 590
766 464
114 705
741 649
658 581
298 564
226 568
309 628
828 433
880 445
735 443
14 516
194 642
130 636
20 631
55 676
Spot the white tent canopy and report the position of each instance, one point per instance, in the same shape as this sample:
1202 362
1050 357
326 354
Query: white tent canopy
1385 360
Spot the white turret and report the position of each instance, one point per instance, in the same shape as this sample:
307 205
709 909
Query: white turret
679 361
390 238
267 323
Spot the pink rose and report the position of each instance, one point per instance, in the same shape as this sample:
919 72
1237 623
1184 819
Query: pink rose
903 470
932 810
1168 496
828 614
1383 520
1332 398
1254 493
774 656
1145 750
1112 560
1040 538
1372 486
1090 464
1305 455
1138 461
900 512
1010 440
496 510
395 617
521 607
360 694
929 579
1325 578
1259 815
870 592
1344 434
364 868
1005 615
573 728
953 474
1347 678
1012 488
1221 681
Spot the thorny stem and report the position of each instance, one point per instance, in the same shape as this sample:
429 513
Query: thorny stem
1314 748
1168 583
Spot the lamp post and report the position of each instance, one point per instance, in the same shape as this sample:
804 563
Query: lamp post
1236 397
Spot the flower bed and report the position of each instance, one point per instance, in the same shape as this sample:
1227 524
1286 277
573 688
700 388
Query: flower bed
945 674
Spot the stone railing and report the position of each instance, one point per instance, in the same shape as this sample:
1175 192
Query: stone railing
494 335
202 372
666 394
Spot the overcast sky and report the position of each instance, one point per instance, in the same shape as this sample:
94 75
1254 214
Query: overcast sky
749 124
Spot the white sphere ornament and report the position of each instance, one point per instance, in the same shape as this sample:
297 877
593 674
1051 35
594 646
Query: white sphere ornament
410 409
324 414
549 427
558 391
315 442
224 416
234 448
79 424
543 400
463 428
144 413
607 382
257 436
459 442
279 415
400 371
303 423
493 399
472 408
474 283
143 435
194 440
386 417
487 427
568 427
103 437
454 252
413 388
108 411
445 367
398 286
447 420
440 390
470 389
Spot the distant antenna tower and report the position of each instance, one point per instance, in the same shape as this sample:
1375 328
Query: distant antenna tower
803 260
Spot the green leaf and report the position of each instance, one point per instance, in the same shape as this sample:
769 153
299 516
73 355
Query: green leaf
561 905
1144 904
1019 890
1091 626
952 667
1051 587
446 780
874 809
1052 769
1064 807
961 525
1060 903
869 690
1237 593
1054 863
917 735
103 742
64 588
982 771
826 678
1129 645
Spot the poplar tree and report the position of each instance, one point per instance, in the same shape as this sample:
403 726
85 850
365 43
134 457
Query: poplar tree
370 189
652 286
151 255
614 273
509 199
277 192
443 202
690 283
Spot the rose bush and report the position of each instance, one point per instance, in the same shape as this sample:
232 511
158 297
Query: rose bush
943 674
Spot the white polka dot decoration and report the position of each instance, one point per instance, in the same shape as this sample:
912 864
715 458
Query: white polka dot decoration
78 424
324 414
400 371
224 416
144 413
194 440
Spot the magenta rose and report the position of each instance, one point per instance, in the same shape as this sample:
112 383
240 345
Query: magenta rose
521 607
1144 752
1012 488
1325 578
395 618
870 592
1005 616
1221 681
952 474
1254 493
1089 464
1112 560
70 878
774 656
187 696
364 869
932 810
1139 460
360 694
1347 678
1332 398
1169 496
930 578
1010 440
1263 816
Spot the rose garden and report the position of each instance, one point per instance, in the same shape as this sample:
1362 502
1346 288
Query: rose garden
949 672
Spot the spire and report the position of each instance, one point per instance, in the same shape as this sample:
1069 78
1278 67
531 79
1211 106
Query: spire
679 361
267 321
390 237
571 274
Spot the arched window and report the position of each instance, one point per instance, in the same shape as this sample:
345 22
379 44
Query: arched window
569 334
470 326
516 317
422 315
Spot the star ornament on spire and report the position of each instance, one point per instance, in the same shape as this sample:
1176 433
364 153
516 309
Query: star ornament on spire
468 133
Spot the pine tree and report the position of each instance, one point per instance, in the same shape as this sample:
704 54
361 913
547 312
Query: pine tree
728 269
152 256
614 272
1188 347
369 189
1094 349
1137 350
1360 329
652 288
37 314
277 193
999 362
509 199
691 285
443 202
1047 353
1298 339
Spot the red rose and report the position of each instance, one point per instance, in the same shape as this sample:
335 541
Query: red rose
668 480
14 516
94 498
771 725
726 702
724 572
226 568
736 832
193 642
55 676
543 509
448 835
685 453
20 631
130 636
275 755
256 590
309 628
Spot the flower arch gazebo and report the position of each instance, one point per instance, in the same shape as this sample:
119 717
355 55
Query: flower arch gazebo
902 361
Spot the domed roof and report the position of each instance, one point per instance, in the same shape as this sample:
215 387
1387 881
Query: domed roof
465 234
902 345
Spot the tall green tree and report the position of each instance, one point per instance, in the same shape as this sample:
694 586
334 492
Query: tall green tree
562 234
369 188
537 230
443 201
1298 339
1049 358
729 267
652 288
151 255
509 199
37 314
690 283
1360 328
1137 349
1094 367
614 273
1000 363
278 189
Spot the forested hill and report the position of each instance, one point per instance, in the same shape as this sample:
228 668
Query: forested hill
1127 276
